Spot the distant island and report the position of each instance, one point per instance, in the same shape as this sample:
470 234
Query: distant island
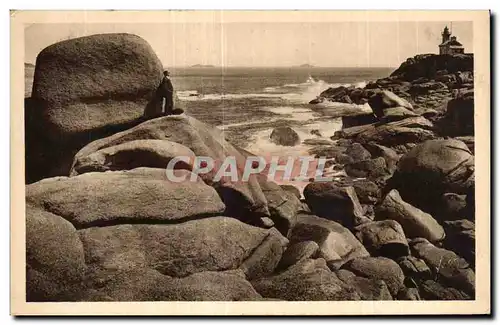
306 65
29 65
202 66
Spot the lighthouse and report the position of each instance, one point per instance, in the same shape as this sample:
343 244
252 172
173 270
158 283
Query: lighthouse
450 44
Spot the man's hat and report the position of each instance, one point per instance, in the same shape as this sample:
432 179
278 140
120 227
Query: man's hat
166 73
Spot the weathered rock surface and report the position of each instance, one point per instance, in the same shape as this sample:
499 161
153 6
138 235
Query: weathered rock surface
371 168
210 244
379 268
133 154
368 289
449 268
99 199
150 285
432 290
461 239
298 252
414 221
433 168
55 263
283 206
334 202
307 280
367 191
337 244
383 238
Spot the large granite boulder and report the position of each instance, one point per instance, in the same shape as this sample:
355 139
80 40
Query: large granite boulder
83 89
142 195
179 250
433 168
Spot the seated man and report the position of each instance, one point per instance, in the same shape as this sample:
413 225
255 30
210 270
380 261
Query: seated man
167 92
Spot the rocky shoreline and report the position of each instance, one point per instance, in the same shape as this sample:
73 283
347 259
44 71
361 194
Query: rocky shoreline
104 223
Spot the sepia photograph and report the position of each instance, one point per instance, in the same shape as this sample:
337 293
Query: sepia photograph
252 160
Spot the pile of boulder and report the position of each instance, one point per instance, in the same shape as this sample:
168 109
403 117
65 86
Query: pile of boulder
111 226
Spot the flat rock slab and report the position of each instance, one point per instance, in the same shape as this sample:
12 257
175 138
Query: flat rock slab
112 197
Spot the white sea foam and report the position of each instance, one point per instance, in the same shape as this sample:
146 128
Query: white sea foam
301 93
261 144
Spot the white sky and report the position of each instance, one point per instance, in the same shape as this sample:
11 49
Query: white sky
337 44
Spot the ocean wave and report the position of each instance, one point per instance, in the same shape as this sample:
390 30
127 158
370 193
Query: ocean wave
301 93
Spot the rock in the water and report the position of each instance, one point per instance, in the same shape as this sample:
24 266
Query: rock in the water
242 199
86 88
379 268
306 281
298 252
461 238
317 142
285 136
337 244
433 168
449 269
99 199
133 154
179 250
150 285
383 238
337 203
55 261
414 221
368 289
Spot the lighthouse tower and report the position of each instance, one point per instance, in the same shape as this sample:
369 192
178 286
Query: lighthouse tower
446 35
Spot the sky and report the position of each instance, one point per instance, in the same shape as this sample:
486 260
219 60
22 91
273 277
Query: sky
323 44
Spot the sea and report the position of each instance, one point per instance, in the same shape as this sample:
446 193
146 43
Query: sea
248 103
